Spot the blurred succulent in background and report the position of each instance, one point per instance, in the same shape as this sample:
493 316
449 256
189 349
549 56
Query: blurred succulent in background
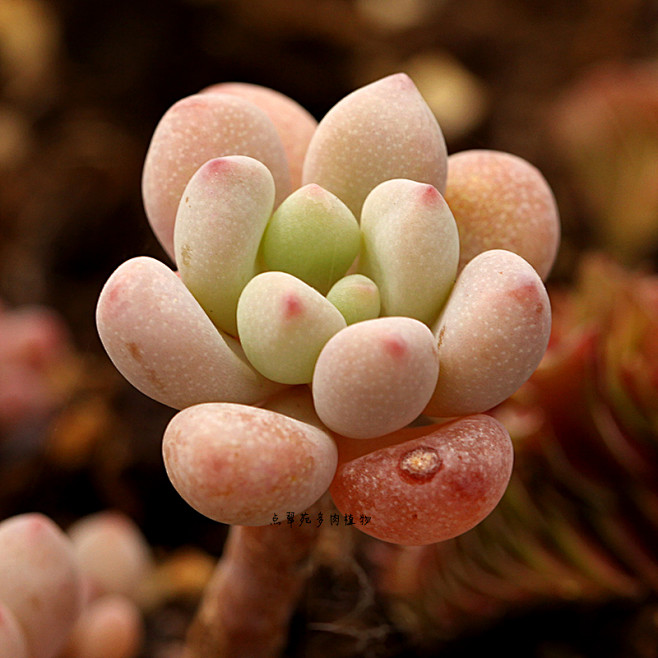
606 131
578 521
35 355
74 594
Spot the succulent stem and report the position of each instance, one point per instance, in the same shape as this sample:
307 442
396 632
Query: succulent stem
247 606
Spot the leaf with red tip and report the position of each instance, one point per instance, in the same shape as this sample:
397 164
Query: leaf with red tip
193 131
163 343
293 123
491 335
410 248
375 376
219 226
283 325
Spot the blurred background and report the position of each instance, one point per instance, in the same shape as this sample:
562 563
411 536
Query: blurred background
568 568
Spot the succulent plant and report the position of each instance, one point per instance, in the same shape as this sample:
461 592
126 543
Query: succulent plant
269 280
71 595
322 332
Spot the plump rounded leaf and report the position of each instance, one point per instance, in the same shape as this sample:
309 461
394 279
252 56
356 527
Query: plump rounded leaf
312 235
220 223
381 131
293 123
492 334
195 130
356 297
39 581
110 627
500 201
375 377
163 343
12 638
410 248
430 488
241 465
283 324
111 552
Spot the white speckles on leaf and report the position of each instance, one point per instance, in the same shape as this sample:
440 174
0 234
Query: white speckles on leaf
500 201
345 157
493 332
375 377
217 235
171 352
240 464
195 130
410 248
283 324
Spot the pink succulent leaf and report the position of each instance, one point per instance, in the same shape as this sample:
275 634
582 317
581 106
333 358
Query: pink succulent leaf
375 377
219 225
491 335
12 637
112 553
195 130
383 130
39 581
164 344
430 488
109 627
410 248
500 201
293 123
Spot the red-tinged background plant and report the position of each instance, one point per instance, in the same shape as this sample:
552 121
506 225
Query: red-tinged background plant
577 522
605 130
446 338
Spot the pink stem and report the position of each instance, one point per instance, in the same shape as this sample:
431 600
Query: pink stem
253 593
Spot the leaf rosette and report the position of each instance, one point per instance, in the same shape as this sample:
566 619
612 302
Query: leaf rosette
327 256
